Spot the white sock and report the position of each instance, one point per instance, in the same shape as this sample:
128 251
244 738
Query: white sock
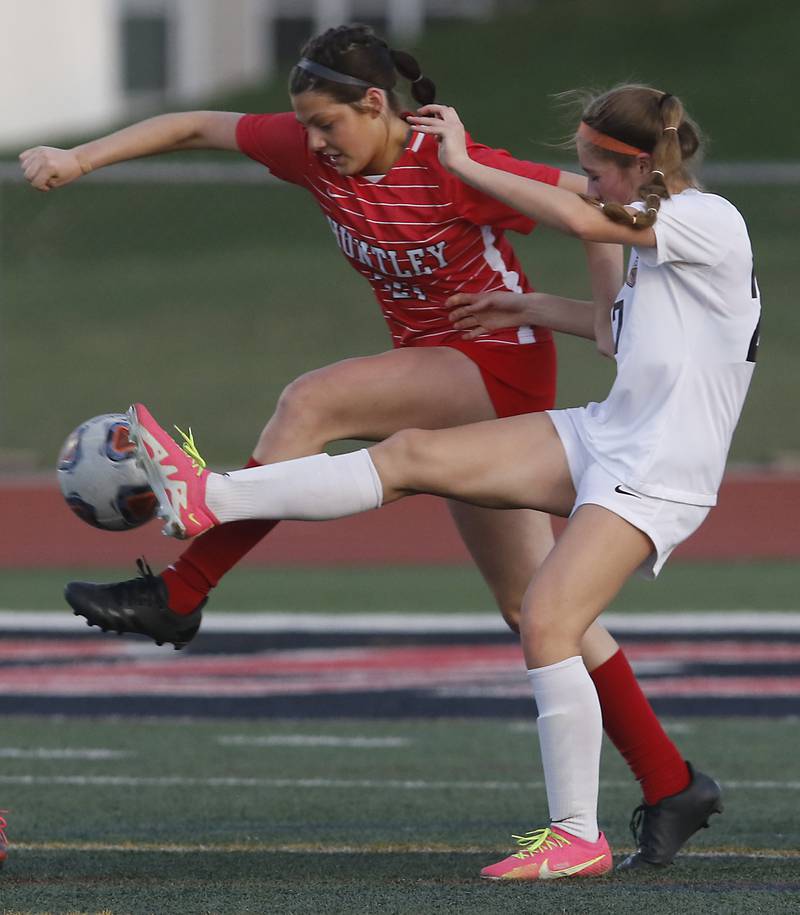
570 736
314 488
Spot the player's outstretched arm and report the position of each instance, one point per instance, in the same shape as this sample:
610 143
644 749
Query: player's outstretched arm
475 314
46 167
556 207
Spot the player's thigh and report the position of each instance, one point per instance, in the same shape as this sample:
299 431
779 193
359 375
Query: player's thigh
517 462
508 546
371 397
594 556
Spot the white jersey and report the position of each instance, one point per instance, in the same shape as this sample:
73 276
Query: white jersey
686 333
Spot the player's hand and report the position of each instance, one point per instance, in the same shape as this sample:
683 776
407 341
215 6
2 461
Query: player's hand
476 314
46 167
444 123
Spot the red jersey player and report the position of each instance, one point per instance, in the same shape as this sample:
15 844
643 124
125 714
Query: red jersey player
419 236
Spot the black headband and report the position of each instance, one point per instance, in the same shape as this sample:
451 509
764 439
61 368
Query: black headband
315 69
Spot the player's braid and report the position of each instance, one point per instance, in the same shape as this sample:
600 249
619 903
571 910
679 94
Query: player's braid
654 122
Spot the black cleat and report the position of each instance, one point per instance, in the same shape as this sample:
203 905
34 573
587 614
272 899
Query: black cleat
669 824
138 605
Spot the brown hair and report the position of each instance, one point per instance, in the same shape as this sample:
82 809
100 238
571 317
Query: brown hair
355 50
654 122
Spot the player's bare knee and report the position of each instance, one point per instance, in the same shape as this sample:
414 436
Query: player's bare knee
299 424
545 629
401 460
512 614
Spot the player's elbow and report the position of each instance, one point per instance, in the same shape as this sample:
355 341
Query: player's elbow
581 222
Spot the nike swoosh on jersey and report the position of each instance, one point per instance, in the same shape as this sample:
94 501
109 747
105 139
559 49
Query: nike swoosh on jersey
624 492
546 874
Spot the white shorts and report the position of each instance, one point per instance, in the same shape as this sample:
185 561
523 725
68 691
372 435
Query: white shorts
667 524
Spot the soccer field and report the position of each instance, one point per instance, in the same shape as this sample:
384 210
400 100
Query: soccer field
181 816
285 803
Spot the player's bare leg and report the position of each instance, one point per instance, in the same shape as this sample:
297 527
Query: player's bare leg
591 561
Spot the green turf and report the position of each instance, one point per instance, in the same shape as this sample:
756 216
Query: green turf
433 589
196 313
260 838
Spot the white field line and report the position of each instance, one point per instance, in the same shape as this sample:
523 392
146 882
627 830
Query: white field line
237 172
313 740
172 781
61 753
435 849
680 621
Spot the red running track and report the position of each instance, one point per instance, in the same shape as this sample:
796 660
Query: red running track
757 518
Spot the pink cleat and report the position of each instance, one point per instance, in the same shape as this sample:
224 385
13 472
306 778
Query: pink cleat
176 474
550 854
3 839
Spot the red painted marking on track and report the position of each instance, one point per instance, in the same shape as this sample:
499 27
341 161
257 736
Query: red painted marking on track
491 670
728 650
748 687
35 649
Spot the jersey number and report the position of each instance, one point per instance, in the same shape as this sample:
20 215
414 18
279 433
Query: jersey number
616 323
752 350
398 290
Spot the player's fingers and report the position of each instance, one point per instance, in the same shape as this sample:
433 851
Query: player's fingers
42 175
466 323
460 298
432 110
438 123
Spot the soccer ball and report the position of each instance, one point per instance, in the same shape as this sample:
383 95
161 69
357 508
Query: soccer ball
100 478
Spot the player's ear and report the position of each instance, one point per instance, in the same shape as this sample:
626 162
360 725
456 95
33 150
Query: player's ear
375 102
644 163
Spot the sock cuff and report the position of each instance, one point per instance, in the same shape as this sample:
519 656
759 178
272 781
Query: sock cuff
540 673
611 669
376 480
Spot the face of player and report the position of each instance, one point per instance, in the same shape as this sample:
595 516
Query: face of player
610 182
354 141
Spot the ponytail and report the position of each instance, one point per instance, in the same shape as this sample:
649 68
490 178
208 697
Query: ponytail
652 122
423 89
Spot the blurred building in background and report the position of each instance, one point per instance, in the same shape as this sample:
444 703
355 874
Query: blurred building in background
78 66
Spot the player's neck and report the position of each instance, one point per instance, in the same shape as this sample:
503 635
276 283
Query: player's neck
396 139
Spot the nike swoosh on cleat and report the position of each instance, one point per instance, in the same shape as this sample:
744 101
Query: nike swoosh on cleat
546 874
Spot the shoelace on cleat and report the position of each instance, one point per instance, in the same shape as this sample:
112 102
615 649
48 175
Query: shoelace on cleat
538 840
132 591
3 827
189 447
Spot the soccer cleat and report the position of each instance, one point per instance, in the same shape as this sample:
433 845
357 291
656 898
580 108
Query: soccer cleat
3 839
660 830
176 474
552 854
138 605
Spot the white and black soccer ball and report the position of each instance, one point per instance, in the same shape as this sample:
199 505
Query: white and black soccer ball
100 478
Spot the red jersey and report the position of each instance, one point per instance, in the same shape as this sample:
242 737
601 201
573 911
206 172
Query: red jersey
418 234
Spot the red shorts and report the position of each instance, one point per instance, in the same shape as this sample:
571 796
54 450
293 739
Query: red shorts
519 379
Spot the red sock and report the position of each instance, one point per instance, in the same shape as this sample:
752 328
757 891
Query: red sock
633 728
208 558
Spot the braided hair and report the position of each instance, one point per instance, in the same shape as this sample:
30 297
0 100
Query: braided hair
656 123
355 50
